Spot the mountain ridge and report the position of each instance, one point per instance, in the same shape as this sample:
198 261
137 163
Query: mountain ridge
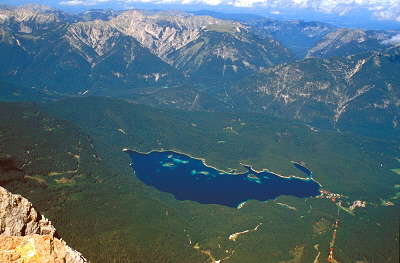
292 91
345 42
152 40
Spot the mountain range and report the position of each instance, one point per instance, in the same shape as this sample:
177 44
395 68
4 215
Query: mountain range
172 58
348 93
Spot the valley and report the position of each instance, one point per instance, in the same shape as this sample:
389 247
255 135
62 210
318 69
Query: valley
98 200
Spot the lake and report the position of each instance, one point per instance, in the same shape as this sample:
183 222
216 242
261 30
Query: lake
188 178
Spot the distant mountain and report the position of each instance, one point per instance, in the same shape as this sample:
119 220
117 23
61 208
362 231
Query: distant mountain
175 59
116 61
163 32
233 17
134 49
297 35
219 50
34 14
226 53
98 14
344 42
359 93
78 57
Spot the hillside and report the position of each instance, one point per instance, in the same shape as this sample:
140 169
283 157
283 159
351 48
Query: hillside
226 54
358 93
344 42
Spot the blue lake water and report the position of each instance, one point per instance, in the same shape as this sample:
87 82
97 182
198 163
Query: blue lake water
188 178
303 169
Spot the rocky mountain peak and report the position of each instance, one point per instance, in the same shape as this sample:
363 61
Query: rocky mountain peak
175 12
95 34
98 14
130 15
32 18
37 8
162 33
27 236
26 15
19 218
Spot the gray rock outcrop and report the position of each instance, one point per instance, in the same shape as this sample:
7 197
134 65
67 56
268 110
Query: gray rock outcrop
19 218
27 236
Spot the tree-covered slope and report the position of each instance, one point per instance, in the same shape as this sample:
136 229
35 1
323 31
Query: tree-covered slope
106 213
358 93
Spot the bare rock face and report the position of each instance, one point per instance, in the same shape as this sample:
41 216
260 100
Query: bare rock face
19 218
163 33
27 236
32 18
98 36
37 248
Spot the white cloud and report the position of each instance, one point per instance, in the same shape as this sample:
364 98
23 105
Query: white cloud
390 13
393 41
78 2
275 12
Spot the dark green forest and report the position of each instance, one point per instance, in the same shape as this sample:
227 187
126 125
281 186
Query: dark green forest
66 157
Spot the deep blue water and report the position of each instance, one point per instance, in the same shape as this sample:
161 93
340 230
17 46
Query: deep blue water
188 178
303 169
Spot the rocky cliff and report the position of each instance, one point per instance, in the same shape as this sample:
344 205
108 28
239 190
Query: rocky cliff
163 33
27 236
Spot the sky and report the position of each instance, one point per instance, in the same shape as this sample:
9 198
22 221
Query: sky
352 12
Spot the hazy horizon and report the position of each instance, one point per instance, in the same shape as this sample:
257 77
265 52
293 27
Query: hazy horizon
367 14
